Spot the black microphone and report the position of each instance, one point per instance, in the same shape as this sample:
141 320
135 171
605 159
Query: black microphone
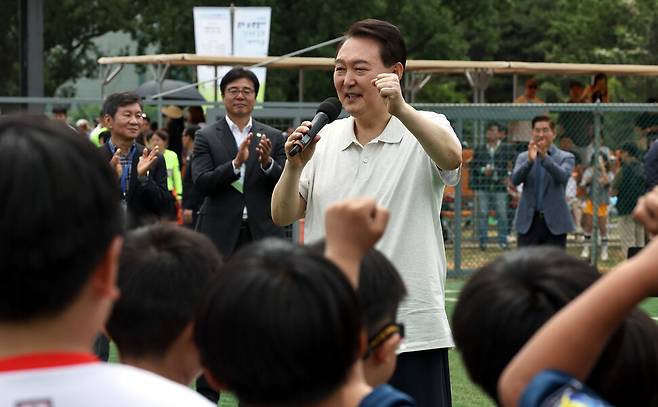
327 112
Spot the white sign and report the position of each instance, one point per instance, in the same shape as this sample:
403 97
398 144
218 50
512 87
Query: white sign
212 36
251 29
250 37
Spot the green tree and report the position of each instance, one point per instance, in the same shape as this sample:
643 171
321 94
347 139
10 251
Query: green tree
428 27
69 29
605 31
9 60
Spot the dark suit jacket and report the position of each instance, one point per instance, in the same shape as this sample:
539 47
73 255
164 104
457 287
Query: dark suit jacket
558 165
192 199
149 200
496 182
212 170
651 166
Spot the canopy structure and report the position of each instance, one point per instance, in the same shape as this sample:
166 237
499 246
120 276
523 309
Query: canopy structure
425 66
478 73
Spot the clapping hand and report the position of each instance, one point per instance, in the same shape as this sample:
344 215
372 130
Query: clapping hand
147 160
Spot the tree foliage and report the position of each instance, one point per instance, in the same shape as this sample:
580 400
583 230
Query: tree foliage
595 31
69 29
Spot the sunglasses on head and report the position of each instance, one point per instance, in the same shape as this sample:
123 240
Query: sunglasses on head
382 336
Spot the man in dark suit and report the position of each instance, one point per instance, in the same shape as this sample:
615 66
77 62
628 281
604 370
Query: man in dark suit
142 174
489 178
192 199
236 163
543 215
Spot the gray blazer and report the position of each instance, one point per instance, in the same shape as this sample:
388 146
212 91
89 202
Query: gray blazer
558 165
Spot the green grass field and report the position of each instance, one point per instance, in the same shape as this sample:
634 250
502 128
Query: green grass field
464 393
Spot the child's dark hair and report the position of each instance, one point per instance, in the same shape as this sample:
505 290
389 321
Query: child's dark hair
163 272
380 290
280 325
59 214
509 299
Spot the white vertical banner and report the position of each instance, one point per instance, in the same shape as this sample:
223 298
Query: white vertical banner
212 36
251 37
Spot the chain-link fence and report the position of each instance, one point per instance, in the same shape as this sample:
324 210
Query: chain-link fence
608 142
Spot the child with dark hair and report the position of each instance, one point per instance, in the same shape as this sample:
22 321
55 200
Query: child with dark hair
552 366
380 292
508 300
163 271
60 239
281 324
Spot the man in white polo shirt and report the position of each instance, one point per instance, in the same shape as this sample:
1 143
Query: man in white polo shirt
401 157
60 238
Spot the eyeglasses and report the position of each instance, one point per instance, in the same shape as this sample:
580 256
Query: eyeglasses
245 91
382 336
533 86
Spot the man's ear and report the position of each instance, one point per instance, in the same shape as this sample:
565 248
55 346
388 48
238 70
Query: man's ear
106 121
398 69
213 382
386 351
104 278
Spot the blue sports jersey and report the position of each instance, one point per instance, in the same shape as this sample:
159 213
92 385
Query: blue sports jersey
387 396
551 388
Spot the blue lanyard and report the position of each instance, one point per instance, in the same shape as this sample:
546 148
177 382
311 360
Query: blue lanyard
124 180
124 169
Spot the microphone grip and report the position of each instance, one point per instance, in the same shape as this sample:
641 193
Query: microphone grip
294 150
319 121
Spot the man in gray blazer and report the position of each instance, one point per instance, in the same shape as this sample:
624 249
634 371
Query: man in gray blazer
543 216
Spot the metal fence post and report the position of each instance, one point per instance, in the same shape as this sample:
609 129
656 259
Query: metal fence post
457 250
595 182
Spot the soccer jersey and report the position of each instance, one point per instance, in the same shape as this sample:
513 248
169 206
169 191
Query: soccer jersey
556 389
386 396
72 380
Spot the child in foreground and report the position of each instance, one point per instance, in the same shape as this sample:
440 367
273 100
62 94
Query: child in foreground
164 270
508 300
380 292
551 367
281 324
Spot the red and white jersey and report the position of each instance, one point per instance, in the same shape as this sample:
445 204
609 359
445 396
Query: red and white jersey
71 380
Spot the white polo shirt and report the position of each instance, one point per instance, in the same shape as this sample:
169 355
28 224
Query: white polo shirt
395 171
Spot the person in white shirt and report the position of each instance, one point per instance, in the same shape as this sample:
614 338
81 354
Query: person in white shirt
401 157
60 258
